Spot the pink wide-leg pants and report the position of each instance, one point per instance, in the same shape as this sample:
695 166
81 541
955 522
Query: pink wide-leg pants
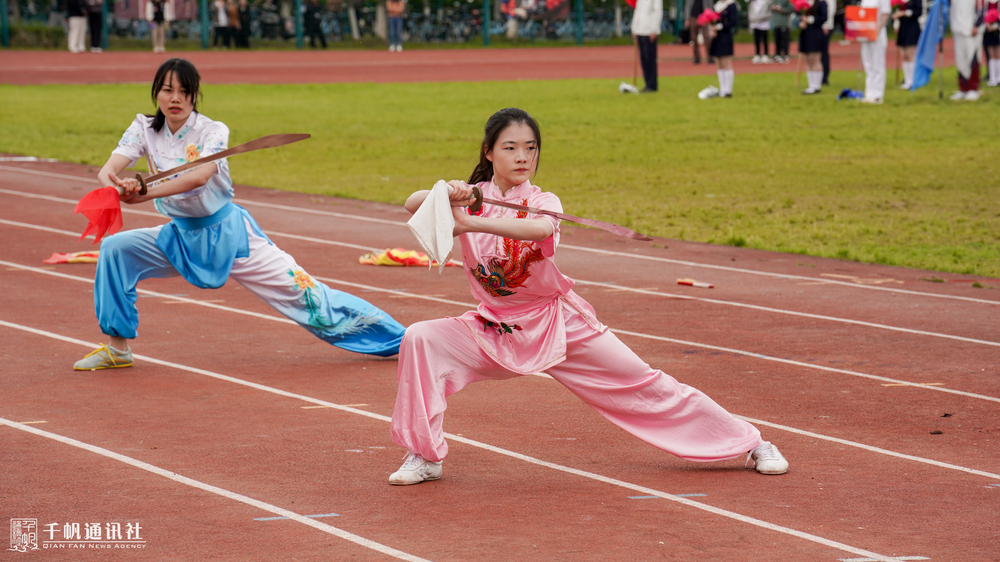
440 357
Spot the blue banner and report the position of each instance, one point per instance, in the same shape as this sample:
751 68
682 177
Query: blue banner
931 35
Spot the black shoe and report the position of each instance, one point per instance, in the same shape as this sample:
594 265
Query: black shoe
697 61
725 95
711 60
647 91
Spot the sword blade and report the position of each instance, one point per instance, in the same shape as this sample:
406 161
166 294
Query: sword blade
610 227
269 141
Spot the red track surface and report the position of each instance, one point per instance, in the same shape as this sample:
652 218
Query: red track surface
413 65
881 388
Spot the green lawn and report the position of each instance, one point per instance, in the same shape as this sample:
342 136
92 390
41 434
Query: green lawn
911 182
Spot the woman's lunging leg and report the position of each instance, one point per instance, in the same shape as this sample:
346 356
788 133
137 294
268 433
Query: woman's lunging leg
647 402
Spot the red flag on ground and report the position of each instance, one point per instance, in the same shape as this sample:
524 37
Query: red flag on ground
104 211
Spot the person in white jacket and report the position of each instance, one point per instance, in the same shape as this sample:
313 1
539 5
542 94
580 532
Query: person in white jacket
159 14
873 53
647 19
968 40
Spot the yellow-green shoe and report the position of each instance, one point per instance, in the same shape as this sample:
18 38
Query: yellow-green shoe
104 357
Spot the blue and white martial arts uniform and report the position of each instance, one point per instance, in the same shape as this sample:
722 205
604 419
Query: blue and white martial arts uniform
210 239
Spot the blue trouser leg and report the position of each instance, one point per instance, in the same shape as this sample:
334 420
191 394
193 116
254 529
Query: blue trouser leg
125 259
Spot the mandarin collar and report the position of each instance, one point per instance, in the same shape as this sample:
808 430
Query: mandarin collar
518 191
185 128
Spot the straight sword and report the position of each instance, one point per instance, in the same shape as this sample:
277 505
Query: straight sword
610 227
269 141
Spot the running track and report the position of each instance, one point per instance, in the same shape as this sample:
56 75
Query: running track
880 388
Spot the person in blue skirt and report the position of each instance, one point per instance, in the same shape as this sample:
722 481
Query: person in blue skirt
811 41
908 18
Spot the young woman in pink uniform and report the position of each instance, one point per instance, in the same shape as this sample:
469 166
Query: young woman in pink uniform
530 320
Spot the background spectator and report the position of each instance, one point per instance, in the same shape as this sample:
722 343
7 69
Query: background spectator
95 18
700 34
394 9
781 11
311 20
759 14
76 12
159 14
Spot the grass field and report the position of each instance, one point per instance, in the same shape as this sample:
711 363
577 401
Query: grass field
911 182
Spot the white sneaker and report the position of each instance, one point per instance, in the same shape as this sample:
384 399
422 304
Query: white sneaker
765 60
399 48
104 357
415 470
709 92
905 86
767 459
392 48
627 88
993 84
972 95
809 92
756 59
957 96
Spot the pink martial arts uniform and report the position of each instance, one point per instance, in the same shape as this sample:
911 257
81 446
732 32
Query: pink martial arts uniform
529 320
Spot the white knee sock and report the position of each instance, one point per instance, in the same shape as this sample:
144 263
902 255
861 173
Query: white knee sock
994 70
815 79
908 68
722 80
730 78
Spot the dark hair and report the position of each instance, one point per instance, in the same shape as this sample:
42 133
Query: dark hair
496 125
184 73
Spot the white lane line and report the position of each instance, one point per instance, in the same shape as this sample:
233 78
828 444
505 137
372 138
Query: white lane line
590 475
812 280
873 449
466 305
305 520
687 297
806 365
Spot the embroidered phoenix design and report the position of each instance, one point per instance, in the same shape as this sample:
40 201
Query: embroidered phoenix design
508 271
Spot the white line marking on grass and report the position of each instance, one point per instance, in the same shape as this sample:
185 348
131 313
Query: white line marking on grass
811 280
752 354
478 444
807 365
305 520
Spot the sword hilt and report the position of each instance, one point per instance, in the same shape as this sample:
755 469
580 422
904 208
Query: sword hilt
142 182
478 194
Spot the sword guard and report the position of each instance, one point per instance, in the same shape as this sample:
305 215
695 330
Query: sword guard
478 194
142 182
